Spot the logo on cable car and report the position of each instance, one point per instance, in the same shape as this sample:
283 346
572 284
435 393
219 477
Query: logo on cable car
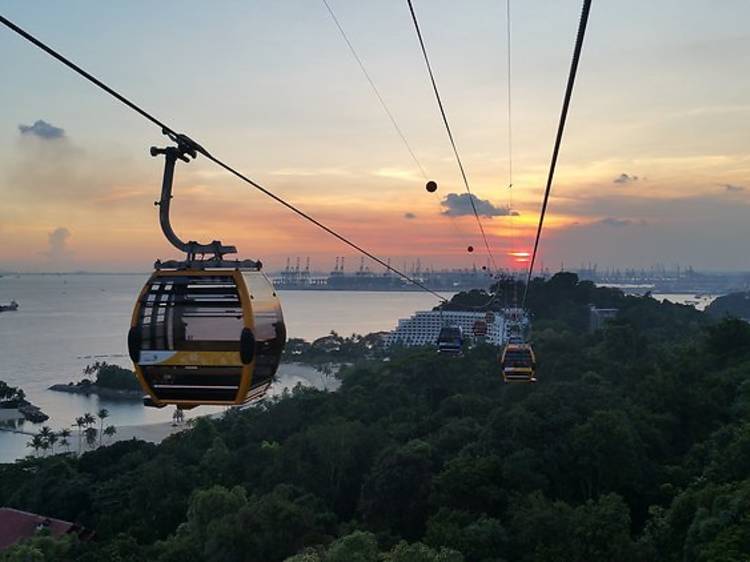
155 357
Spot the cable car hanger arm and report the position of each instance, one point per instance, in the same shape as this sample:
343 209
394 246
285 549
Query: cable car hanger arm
558 138
185 150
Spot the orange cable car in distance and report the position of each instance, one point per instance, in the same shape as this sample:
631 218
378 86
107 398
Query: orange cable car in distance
518 363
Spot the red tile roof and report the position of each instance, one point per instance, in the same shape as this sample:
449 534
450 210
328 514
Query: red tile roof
16 525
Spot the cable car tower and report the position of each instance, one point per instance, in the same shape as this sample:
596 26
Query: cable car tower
205 330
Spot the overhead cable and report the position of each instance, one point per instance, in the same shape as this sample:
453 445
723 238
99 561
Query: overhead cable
171 132
385 107
375 89
558 139
450 133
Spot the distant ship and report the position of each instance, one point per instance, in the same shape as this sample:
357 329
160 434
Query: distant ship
10 307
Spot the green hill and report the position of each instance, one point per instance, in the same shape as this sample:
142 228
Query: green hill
734 304
634 445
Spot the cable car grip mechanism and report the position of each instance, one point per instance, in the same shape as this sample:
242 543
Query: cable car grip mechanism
185 150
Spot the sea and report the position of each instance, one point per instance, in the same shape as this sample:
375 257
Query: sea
68 321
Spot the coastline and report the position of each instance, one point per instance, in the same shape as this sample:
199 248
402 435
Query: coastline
24 411
86 390
290 375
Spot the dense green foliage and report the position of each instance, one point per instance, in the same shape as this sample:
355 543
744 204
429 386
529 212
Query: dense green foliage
733 304
335 348
11 396
633 446
112 376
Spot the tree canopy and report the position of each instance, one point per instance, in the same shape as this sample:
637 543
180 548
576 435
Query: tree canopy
633 446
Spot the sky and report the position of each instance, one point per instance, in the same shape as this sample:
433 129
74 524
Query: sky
654 167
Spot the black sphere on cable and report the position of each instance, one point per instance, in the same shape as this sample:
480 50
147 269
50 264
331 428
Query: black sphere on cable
470 249
431 186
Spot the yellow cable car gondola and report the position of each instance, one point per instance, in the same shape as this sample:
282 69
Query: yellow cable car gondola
518 363
204 331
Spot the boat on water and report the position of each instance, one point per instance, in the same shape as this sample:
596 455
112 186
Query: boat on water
10 307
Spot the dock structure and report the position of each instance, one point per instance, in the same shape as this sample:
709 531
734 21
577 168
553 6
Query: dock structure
365 278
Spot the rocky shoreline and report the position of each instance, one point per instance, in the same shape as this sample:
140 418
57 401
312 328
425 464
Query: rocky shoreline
21 410
86 389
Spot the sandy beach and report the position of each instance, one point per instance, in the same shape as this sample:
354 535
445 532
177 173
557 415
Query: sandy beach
289 376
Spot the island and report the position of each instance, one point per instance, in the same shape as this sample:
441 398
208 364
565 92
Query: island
14 407
105 380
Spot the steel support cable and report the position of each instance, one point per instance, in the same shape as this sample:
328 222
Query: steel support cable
558 139
450 133
166 129
375 89
510 104
383 104
510 151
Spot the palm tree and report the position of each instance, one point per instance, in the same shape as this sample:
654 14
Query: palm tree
44 435
88 419
102 414
109 431
35 443
90 434
52 439
64 434
80 422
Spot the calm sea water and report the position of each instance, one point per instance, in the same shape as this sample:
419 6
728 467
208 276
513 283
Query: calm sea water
66 322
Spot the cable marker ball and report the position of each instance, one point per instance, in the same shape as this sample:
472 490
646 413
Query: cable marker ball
431 186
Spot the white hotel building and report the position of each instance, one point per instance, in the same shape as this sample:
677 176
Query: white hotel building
423 328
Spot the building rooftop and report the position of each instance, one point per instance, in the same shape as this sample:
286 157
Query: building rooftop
16 525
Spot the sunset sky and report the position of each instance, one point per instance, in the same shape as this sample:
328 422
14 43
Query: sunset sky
655 164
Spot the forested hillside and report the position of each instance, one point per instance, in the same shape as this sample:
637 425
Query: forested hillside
734 304
633 446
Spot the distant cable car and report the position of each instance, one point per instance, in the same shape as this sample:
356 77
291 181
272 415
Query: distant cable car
204 331
518 363
480 328
450 340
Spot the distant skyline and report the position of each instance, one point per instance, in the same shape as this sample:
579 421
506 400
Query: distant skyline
654 168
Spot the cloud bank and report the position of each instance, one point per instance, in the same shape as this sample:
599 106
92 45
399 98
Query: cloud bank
618 223
458 205
43 130
732 188
57 241
625 179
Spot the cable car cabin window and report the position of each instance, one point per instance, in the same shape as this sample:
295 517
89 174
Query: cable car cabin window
183 313
518 359
449 335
